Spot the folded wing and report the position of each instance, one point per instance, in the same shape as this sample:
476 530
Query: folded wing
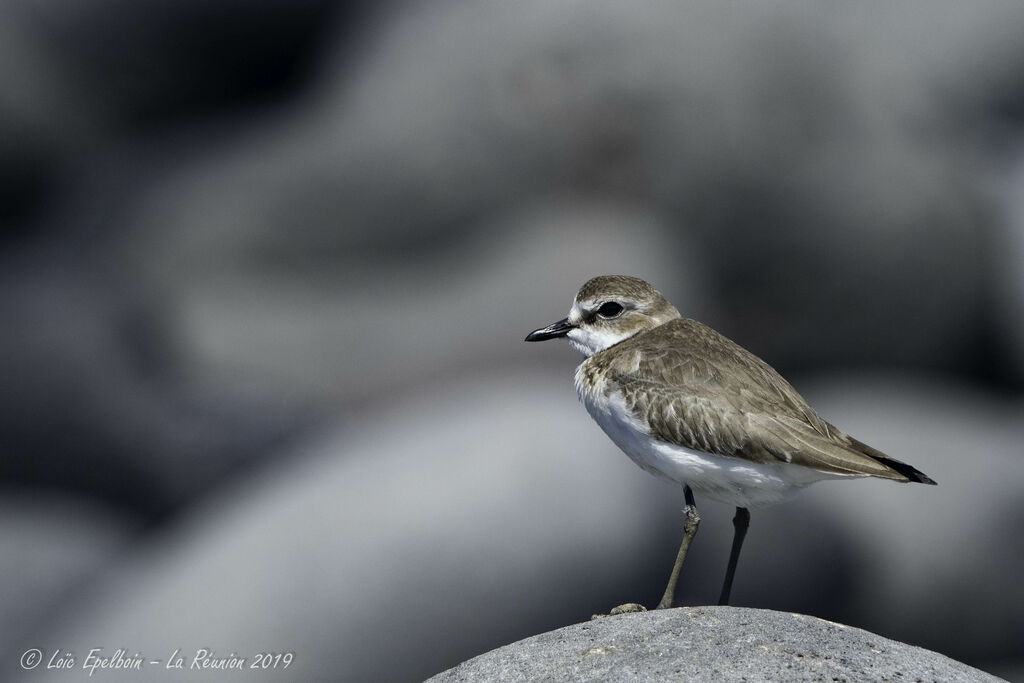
705 392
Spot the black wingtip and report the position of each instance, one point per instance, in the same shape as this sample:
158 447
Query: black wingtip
919 477
911 473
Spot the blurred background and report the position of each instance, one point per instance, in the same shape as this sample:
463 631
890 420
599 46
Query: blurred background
267 267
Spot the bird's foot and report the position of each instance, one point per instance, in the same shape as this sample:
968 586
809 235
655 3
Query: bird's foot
621 609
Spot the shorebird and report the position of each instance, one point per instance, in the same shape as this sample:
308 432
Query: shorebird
691 406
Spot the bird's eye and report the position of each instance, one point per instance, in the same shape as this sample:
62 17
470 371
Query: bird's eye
610 309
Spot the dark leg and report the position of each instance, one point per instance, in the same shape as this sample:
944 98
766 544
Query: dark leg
689 531
741 521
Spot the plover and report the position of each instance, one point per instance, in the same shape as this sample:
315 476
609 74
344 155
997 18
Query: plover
693 407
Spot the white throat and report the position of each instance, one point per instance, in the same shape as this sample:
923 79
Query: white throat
588 341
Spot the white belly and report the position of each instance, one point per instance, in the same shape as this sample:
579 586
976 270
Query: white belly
727 479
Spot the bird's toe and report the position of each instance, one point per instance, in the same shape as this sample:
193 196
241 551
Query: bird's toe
621 609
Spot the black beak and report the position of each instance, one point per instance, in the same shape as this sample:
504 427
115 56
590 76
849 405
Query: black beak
559 329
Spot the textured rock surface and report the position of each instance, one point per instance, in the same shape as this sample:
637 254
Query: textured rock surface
711 643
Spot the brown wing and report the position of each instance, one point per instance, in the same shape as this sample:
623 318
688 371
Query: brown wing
700 390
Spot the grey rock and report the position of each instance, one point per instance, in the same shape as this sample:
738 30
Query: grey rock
711 643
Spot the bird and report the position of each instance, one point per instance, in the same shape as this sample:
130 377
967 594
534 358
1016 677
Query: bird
693 407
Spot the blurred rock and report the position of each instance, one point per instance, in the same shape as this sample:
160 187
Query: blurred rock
151 63
830 198
54 547
363 327
711 643
44 117
491 506
90 406
1008 274
106 73
942 560
495 506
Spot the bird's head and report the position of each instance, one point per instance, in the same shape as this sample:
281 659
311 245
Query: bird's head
607 310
